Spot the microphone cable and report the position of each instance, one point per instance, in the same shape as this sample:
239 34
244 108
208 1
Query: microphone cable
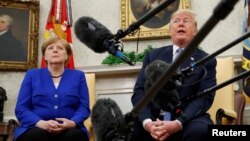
197 81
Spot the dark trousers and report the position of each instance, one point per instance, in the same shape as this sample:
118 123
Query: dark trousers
194 130
37 134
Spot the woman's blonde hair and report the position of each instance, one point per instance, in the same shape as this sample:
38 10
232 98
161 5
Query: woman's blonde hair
55 39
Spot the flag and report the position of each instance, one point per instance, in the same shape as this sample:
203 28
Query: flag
246 50
59 22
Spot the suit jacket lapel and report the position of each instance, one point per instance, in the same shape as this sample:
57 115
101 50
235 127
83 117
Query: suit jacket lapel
191 59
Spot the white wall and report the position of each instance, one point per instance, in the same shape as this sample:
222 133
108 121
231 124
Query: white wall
107 12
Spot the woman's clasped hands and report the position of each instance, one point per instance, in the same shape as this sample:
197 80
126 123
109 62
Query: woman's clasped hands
56 126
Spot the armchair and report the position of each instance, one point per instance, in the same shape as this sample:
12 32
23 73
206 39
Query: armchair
227 107
90 77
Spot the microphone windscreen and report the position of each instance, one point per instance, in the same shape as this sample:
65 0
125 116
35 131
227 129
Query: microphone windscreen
153 72
167 97
92 33
106 118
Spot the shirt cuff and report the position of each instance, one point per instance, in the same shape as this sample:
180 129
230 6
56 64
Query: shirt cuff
179 123
145 121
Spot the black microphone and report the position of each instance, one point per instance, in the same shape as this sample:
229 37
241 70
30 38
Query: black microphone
167 98
108 120
98 38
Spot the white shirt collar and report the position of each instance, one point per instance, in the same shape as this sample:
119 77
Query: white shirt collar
1 33
175 47
175 53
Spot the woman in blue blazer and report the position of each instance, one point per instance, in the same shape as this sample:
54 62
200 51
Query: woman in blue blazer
53 102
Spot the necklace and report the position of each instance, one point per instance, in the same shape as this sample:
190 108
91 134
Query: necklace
57 76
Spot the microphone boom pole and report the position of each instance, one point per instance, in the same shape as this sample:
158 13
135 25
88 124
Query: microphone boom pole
134 26
220 12
202 61
216 87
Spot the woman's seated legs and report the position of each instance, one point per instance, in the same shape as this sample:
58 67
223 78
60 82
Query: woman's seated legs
37 134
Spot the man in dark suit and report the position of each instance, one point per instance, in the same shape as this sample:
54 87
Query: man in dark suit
193 126
11 48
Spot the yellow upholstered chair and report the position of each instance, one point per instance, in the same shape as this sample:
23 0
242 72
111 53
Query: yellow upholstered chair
222 110
90 77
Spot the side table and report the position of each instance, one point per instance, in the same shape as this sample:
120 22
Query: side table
6 130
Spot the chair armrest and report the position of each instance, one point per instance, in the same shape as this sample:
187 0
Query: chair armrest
13 124
239 106
225 116
89 126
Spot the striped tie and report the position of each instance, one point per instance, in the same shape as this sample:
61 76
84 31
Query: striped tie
177 53
167 115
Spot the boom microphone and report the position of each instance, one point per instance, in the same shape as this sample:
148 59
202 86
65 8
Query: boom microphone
167 98
98 38
108 120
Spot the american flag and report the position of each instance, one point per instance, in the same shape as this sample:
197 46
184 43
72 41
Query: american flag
59 22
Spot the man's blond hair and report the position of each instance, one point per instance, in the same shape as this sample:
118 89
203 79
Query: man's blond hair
190 12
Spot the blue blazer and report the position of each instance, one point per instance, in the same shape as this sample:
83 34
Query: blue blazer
38 99
192 84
